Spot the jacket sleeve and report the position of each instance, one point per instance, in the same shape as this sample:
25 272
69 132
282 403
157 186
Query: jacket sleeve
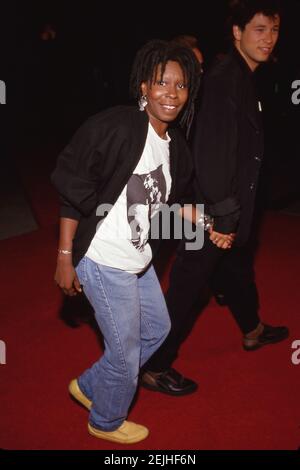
182 159
76 176
215 147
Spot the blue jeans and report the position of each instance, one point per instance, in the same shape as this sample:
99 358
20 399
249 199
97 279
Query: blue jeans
133 318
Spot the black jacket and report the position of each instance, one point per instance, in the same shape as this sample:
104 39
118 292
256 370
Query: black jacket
228 145
94 168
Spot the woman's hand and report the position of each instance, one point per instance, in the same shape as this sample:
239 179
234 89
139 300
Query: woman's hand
65 274
66 277
222 240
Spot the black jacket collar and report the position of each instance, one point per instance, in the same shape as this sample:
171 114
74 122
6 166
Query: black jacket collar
241 61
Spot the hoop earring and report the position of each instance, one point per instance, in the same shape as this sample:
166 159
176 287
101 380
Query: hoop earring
143 102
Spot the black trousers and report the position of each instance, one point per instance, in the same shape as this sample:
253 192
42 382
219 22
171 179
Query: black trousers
231 270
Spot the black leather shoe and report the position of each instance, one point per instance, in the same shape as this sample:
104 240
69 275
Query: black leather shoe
169 381
270 335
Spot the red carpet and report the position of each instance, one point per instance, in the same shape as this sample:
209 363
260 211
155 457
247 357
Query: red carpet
245 400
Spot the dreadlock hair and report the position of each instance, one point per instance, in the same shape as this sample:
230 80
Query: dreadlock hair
157 53
242 11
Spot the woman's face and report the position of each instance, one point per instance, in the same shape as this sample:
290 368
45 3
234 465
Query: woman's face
166 97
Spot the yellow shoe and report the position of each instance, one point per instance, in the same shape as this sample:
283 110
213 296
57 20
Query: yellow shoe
78 395
127 433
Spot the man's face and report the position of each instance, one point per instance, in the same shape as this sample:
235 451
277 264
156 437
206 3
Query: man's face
257 41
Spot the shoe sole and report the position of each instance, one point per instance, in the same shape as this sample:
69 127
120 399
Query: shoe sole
108 436
78 395
258 346
174 394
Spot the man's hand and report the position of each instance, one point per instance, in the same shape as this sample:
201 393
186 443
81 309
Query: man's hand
222 240
66 277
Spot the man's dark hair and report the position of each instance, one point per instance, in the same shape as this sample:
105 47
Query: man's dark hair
158 52
242 11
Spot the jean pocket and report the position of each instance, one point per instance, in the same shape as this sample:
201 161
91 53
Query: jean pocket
81 271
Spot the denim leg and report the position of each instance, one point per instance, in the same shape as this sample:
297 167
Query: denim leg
111 382
155 321
131 333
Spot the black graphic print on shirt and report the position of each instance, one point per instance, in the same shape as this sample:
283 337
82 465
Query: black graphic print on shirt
145 194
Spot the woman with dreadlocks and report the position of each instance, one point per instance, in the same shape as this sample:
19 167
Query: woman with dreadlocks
118 169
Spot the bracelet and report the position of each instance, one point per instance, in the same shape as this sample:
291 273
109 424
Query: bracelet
64 252
205 221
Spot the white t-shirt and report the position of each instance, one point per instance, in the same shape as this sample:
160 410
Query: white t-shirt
121 240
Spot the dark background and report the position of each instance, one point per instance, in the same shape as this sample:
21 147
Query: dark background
52 86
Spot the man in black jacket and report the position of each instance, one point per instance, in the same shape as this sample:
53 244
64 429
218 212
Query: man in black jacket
228 151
